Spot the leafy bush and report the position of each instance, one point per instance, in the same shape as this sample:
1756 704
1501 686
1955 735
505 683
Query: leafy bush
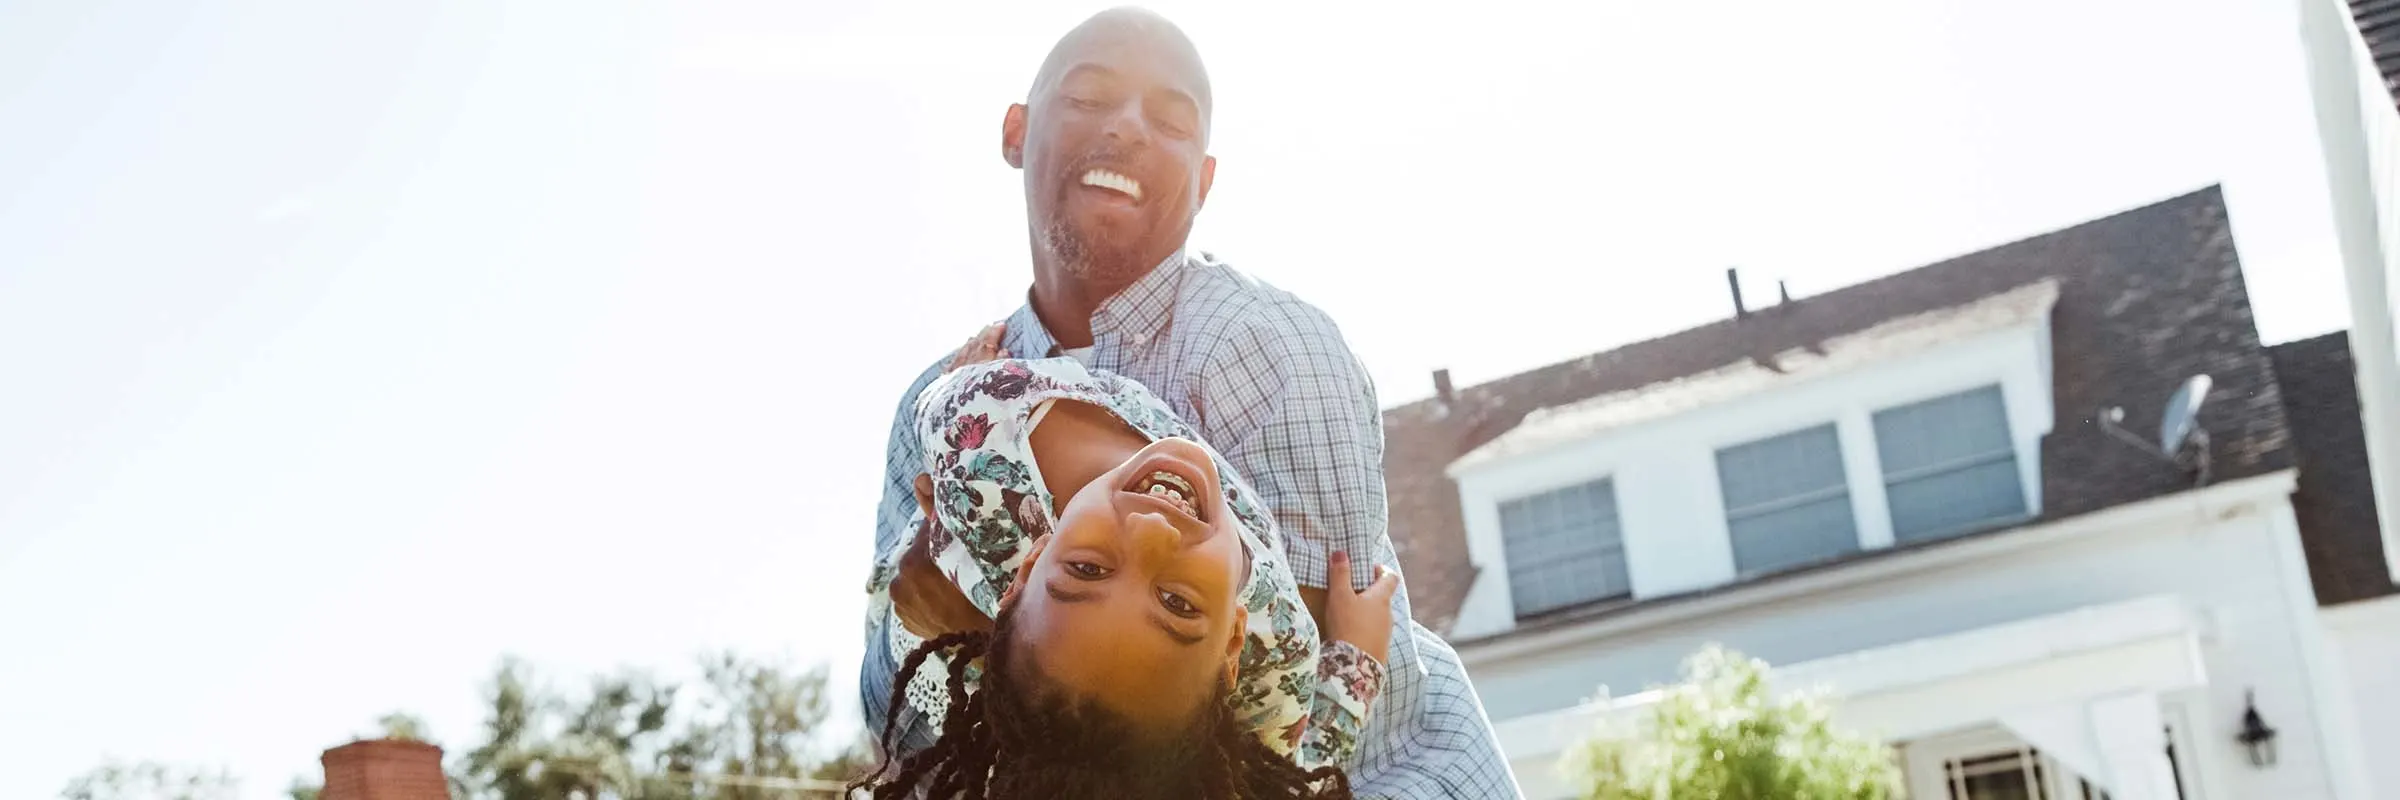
1722 734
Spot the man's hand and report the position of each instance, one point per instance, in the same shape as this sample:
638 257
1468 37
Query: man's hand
927 603
983 346
1364 619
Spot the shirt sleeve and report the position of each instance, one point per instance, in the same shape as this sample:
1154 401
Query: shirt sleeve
904 457
1348 681
1283 397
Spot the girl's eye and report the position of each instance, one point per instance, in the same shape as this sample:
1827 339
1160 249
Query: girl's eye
1087 570
1175 603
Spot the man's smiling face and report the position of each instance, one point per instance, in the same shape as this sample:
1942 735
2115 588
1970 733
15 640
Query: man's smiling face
1114 144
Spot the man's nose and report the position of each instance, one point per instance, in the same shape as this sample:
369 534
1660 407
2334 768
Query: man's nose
1130 126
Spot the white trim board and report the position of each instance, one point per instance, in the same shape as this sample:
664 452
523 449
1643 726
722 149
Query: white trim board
1954 681
2219 501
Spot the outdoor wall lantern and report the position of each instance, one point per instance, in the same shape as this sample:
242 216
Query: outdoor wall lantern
2256 736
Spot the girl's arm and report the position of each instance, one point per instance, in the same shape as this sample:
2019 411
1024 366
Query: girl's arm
1357 629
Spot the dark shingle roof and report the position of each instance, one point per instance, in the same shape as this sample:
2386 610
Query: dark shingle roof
2335 501
2379 22
2147 298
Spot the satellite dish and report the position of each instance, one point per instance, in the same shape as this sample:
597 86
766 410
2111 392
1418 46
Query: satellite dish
2182 415
2181 440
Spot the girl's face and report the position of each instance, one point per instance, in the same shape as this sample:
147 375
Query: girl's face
1133 600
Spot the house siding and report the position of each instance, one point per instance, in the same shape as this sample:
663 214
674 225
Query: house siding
2222 568
2365 639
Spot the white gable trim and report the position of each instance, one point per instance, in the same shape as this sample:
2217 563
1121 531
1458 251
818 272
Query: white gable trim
1583 419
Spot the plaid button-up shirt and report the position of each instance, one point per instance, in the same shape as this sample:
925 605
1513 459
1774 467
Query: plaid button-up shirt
1268 382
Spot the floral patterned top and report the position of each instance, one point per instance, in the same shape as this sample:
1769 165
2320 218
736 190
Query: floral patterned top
1304 697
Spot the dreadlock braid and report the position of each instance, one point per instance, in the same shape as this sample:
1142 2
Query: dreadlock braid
1016 739
1219 783
969 643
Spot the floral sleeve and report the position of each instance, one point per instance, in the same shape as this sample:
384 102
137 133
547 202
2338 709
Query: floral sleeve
1348 681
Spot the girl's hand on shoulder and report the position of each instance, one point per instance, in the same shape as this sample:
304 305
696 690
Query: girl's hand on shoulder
983 346
1361 618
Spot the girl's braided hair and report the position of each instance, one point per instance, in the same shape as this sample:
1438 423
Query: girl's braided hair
1017 737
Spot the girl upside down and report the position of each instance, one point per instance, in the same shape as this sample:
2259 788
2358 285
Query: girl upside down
1093 608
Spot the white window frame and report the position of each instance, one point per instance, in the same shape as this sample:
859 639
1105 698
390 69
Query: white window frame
2012 454
1845 489
1618 518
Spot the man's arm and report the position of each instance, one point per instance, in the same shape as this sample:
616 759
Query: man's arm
1285 400
903 458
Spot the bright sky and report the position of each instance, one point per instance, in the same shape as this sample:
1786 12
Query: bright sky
347 347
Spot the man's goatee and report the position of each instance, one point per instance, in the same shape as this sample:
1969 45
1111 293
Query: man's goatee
1080 259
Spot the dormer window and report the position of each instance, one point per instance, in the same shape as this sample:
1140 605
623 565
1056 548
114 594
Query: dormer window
1786 500
1565 548
1949 465
1919 428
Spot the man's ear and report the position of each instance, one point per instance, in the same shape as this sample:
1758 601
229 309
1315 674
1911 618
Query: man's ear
925 497
1208 178
1024 571
1233 649
1012 136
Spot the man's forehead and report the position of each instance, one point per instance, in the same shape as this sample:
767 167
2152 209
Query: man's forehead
1116 41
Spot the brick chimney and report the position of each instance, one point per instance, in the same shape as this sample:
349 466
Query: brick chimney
385 769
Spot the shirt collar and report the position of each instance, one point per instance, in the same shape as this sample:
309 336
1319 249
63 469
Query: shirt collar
1137 313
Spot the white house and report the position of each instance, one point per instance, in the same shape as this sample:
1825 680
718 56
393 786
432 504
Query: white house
1908 493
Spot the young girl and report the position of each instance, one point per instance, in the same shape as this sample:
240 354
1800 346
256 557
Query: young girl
1094 607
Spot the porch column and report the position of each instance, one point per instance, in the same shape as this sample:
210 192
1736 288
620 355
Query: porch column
2133 743
2116 742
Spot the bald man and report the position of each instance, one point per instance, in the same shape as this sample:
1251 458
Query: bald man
1113 143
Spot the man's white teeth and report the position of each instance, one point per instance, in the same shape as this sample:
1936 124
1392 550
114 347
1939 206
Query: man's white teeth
1113 181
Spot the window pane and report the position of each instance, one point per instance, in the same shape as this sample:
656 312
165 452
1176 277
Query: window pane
1786 502
1564 548
1949 465
1949 503
1768 470
1943 429
2003 776
1794 536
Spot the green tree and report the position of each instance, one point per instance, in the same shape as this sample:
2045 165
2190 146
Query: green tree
150 781
744 731
402 726
539 746
1723 734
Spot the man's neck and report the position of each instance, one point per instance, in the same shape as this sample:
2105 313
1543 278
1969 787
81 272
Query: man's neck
1065 302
